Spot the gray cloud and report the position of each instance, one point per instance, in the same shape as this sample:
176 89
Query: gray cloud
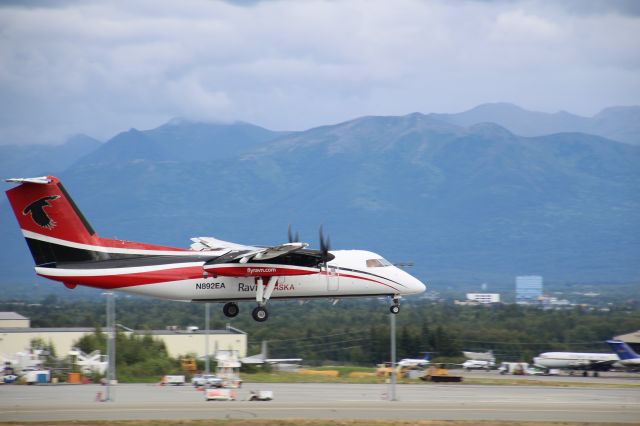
102 67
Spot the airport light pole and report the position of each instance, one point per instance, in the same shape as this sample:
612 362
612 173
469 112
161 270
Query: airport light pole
392 393
206 338
111 345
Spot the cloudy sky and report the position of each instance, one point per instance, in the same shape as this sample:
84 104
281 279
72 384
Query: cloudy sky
102 67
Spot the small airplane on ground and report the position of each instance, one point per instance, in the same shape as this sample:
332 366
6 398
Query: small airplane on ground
628 357
415 362
576 360
480 356
478 364
67 249
263 358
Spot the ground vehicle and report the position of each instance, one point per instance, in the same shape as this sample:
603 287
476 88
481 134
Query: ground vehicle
260 395
439 374
517 368
176 380
218 394
206 380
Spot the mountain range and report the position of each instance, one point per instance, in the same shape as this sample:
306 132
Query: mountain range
468 197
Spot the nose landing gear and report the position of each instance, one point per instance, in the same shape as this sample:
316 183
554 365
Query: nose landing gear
265 287
395 308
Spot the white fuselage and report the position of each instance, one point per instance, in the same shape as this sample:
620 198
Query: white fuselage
345 276
572 359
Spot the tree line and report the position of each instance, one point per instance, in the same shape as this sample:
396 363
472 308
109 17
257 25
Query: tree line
356 331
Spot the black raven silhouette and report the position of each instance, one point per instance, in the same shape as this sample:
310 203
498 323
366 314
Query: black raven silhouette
39 216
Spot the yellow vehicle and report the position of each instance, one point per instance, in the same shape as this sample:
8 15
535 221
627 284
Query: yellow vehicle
439 374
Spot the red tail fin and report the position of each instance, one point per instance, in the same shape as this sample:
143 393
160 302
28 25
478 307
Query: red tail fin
56 231
43 207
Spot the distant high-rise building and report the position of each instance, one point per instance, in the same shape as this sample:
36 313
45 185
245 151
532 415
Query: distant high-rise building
528 288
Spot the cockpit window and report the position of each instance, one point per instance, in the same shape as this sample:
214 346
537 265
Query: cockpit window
377 263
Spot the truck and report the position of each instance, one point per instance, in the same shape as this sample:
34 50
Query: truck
516 368
439 373
36 376
175 380
206 380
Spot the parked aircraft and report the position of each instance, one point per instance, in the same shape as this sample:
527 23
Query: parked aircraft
576 360
628 357
480 356
415 362
263 357
478 364
67 249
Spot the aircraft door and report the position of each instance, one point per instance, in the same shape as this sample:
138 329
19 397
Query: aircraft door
333 279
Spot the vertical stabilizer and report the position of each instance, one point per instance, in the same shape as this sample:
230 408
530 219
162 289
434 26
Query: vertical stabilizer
50 221
623 350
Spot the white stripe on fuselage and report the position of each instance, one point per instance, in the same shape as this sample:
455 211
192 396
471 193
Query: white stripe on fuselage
106 249
60 272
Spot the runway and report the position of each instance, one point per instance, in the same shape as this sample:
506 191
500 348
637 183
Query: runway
325 401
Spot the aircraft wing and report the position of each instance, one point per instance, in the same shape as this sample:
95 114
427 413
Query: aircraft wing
246 253
591 364
270 252
210 243
257 359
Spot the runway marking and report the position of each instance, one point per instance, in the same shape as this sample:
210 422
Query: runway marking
256 408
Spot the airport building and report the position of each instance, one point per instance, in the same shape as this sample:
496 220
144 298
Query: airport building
13 320
16 336
528 289
484 297
632 339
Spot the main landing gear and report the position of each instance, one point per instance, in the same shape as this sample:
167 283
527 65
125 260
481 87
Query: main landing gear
260 313
265 287
395 308
230 309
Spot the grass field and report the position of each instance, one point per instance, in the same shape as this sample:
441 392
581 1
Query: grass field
302 422
343 377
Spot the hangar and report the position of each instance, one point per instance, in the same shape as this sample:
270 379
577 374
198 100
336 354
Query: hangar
16 336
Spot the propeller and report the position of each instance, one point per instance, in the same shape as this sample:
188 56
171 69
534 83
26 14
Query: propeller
325 246
291 236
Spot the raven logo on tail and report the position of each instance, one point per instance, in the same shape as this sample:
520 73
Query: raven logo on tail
39 216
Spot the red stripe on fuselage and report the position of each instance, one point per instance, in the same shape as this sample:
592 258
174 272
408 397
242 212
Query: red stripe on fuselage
360 278
263 270
131 280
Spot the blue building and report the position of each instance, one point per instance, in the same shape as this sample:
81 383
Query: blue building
528 288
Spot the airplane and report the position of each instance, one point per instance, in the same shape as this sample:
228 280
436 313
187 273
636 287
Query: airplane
66 248
480 356
478 364
415 362
262 358
628 357
576 360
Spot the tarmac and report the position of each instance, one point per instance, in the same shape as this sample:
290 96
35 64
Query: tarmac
329 401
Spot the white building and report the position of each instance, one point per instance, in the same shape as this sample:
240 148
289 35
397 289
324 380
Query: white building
484 297
14 339
13 320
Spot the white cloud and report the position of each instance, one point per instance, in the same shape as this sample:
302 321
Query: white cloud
102 67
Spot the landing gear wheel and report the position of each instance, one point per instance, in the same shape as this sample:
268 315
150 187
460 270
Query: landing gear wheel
394 309
230 309
260 314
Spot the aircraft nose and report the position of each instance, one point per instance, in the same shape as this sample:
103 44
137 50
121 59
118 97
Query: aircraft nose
418 286
414 285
